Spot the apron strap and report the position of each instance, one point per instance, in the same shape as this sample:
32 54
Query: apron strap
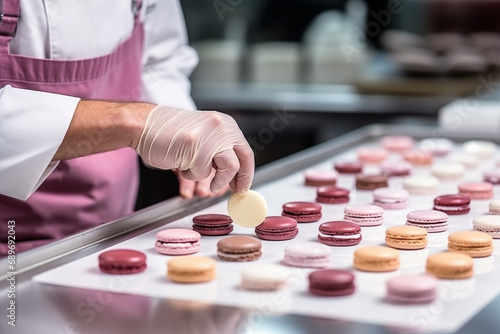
9 18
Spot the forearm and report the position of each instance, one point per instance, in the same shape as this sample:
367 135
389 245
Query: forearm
99 126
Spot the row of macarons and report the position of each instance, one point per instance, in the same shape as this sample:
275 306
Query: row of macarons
325 282
405 288
422 153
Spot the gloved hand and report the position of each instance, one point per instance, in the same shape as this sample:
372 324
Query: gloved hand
188 188
195 141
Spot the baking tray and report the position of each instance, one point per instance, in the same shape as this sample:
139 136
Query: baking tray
281 182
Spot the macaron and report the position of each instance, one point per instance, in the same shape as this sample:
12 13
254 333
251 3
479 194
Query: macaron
339 233
450 265
213 224
331 282
421 185
307 255
418 157
480 148
264 277
364 215
492 176
319 177
191 269
473 243
247 210
177 241
122 261
476 190
431 220
396 168
376 259
277 228
372 155
332 195
348 167
406 237
438 147
302 212
449 171
397 143
468 160
488 224
494 207
239 248
371 182
454 204
390 198
412 289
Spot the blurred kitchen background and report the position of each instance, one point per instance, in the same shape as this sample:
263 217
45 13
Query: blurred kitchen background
295 73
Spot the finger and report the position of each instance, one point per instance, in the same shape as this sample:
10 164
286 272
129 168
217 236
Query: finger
186 187
226 165
244 177
203 186
196 173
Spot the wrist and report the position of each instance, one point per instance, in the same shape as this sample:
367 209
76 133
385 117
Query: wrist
133 118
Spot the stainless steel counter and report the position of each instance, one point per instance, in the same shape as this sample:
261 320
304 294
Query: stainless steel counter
52 309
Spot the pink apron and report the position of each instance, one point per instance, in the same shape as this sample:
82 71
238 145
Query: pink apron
83 192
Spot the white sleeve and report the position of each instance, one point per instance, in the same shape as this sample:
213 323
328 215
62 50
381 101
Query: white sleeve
32 126
168 60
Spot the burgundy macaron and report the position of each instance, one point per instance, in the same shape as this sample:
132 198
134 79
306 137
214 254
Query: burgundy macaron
348 167
122 261
277 228
339 233
213 224
302 212
331 282
332 195
455 204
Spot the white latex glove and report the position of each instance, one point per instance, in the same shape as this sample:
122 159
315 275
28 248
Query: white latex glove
188 188
195 141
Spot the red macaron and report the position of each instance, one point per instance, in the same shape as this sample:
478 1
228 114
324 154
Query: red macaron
302 212
331 282
339 233
455 204
332 195
277 228
122 261
213 224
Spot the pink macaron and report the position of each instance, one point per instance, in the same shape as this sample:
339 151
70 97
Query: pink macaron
320 177
432 220
302 212
277 228
389 198
307 255
372 155
476 190
397 143
339 233
396 168
178 241
412 289
348 167
364 215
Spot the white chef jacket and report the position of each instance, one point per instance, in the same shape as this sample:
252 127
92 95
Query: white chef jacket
33 124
